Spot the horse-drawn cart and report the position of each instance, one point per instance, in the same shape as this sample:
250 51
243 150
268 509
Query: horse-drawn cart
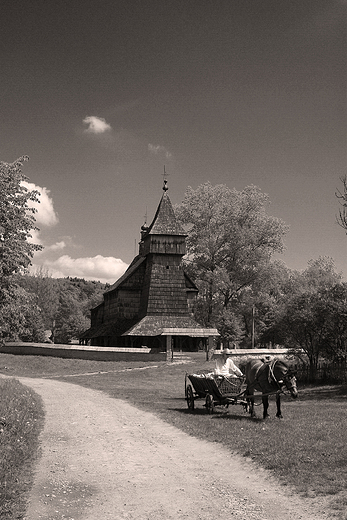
216 390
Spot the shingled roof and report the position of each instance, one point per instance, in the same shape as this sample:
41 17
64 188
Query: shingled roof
165 222
173 325
135 264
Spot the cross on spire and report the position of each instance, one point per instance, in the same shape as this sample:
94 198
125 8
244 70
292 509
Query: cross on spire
165 175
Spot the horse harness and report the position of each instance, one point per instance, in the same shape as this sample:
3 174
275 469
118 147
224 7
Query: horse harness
271 377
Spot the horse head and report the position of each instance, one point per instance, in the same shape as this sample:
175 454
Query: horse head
284 377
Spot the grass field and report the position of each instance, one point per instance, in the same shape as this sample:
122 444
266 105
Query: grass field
21 420
306 450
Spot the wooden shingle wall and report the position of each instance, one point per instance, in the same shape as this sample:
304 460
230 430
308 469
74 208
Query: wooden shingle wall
160 244
164 291
97 315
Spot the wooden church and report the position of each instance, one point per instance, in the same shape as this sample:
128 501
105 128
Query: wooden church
151 304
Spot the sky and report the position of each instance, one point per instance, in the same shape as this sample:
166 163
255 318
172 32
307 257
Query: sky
102 94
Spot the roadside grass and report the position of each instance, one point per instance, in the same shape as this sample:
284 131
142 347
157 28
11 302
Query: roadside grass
307 450
21 420
45 366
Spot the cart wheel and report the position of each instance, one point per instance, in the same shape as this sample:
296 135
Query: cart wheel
190 397
209 403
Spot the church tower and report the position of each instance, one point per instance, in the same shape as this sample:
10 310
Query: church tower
163 244
151 304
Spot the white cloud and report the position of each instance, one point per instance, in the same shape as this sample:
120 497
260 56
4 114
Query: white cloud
45 216
157 148
58 246
35 238
96 125
101 268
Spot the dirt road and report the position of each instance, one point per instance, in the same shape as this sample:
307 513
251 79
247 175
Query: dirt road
104 459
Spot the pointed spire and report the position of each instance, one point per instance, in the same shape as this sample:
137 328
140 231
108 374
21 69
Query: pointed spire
165 186
164 222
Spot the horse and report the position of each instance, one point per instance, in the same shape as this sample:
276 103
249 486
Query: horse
268 378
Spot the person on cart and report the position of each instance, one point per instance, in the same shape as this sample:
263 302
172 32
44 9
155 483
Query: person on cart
225 366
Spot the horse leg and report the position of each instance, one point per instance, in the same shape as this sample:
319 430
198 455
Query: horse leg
278 403
265 407
250 401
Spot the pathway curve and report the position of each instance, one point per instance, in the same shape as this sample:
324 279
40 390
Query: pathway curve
105 459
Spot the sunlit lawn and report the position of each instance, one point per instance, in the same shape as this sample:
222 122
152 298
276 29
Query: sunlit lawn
307 449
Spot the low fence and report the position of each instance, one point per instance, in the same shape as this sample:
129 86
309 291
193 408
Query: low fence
327 373
240 355
83 352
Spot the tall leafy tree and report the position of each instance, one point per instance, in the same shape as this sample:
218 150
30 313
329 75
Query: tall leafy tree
20 316
309 315
320 274
16 219
336 315
71 320
46 291
16 251
303 326
231 240
64 303
315 324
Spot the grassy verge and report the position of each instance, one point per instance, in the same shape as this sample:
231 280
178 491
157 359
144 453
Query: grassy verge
306 450
21 419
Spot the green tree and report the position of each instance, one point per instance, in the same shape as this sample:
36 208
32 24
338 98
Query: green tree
309 315
320 274
20 317
16 251
46 291
335 313
259 304
304 326
64 303
230 327
16 219
230 242
71 321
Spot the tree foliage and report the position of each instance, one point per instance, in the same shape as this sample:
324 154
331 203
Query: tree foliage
45 289
230 242
20 316
16 219
309 315
18 313
64 303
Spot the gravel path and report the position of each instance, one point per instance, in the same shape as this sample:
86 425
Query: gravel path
104 459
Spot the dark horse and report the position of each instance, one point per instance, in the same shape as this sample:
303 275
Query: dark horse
268 378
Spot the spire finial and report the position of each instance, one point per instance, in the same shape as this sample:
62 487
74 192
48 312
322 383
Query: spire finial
165 187
144 228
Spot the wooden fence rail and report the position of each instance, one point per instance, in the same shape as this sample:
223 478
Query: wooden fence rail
325 374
